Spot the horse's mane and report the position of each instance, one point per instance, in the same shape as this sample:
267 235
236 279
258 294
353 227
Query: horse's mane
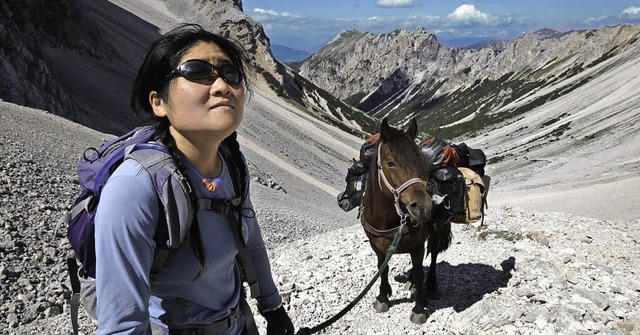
407 155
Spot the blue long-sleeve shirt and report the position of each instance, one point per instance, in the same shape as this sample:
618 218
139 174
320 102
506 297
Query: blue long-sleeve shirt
126 221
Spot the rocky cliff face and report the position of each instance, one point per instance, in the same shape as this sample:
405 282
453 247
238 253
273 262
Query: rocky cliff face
64 56
27 30
356 63
78 58
405 74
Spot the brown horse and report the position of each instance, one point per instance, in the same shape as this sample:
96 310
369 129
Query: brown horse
395 192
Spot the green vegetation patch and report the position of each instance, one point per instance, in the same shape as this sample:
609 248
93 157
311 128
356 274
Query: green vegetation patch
501 234
561 129
552 121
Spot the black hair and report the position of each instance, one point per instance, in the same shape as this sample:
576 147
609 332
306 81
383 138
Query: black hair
162 57
164 54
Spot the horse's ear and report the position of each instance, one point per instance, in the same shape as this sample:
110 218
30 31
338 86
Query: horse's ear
412 131
385 131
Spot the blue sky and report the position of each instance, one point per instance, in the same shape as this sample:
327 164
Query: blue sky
309 24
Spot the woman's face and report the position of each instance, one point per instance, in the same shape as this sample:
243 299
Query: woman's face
206 109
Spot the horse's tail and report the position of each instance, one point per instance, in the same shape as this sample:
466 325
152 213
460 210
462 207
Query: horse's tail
440 239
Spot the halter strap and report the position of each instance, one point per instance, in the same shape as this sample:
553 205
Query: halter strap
387 233
395 191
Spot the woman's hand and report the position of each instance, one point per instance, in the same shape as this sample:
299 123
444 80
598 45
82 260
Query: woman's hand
278 322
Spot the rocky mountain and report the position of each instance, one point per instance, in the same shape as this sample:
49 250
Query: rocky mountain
545 109
495 45
78 58
403 74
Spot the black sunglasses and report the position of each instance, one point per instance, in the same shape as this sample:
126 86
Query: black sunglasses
197 69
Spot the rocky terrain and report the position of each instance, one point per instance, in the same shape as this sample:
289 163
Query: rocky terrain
527 272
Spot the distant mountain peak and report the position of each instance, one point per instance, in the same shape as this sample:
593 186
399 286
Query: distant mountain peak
403 74
495 45
287 54
345 34
545 33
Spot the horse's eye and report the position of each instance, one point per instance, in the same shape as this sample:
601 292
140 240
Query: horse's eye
391 164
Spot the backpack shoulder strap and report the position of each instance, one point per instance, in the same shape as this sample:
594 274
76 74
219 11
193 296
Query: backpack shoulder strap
172 187
174 200
238 172
236 164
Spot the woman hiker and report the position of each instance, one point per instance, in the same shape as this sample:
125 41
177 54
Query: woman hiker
193 83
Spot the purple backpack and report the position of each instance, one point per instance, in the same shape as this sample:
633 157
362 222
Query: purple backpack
95 168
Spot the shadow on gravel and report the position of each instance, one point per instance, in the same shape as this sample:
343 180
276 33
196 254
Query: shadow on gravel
461 286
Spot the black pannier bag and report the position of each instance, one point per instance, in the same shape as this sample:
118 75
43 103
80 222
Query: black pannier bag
352 195
357 175
368 150
477 161
446 187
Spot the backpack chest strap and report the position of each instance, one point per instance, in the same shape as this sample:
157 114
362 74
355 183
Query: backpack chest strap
219 206
231 209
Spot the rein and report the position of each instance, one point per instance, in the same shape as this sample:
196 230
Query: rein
390 252
399 232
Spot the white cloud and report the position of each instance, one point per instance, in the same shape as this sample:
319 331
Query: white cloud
597 20
631 12
469 13
397 3
271 12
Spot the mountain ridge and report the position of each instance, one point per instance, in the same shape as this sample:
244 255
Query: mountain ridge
411 74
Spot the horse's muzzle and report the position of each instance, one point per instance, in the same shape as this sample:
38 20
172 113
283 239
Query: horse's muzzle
418 212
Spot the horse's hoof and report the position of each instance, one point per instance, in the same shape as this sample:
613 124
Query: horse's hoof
418 318
381 307
431 295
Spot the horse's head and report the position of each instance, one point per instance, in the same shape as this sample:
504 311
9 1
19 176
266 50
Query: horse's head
403 172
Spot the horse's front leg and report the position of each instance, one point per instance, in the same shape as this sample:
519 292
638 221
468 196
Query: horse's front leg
382 301
418 313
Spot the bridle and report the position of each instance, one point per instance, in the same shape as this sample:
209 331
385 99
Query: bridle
395 191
